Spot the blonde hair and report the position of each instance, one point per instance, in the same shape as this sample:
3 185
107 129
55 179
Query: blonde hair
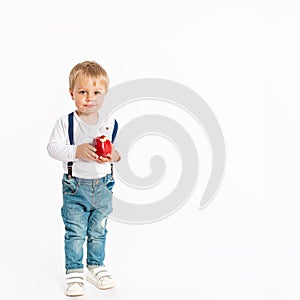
88 69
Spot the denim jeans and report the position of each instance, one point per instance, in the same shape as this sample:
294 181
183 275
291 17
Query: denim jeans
86 205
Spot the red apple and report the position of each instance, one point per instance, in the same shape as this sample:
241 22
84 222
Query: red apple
103 146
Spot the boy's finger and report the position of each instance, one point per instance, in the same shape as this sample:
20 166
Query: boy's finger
91 147
93 155
104 159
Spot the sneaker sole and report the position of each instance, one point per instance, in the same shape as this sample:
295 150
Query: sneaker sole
74 294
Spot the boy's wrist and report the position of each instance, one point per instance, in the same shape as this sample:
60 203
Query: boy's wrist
115 156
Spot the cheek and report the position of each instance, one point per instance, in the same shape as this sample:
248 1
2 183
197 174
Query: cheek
79 98
100 101
78 102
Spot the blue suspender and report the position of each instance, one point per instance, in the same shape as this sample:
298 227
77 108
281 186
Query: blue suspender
71 139
115 130
116 126
70 128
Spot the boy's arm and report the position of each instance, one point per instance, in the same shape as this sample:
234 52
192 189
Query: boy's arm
58 146
115 156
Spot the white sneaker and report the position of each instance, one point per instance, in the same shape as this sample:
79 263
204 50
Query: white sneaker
100 278
74 284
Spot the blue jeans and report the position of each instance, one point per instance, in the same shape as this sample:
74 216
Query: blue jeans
87 204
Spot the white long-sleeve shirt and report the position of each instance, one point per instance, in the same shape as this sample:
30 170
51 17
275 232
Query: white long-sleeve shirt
59 145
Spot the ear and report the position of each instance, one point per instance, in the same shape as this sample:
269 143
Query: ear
71 93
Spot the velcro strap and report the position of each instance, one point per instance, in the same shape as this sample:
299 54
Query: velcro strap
101 273
75 278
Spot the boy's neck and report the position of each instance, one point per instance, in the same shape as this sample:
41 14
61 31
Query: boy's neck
91 119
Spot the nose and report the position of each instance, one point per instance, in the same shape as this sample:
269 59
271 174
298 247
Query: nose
90 97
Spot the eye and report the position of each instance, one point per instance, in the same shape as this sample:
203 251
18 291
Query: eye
82 92
98 92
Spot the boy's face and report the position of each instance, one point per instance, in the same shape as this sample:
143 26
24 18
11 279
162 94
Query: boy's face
88 94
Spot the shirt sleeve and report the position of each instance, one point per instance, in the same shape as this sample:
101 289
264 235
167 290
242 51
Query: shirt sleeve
59 146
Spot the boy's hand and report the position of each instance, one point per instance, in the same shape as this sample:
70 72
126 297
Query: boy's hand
114 156
102 159
86 152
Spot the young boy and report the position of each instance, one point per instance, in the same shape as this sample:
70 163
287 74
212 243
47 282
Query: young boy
87 181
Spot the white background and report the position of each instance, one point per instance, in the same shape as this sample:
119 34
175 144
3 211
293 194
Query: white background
242 57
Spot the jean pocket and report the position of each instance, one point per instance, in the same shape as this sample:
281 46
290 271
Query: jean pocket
69 186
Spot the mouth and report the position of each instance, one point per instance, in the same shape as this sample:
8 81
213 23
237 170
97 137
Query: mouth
89 105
